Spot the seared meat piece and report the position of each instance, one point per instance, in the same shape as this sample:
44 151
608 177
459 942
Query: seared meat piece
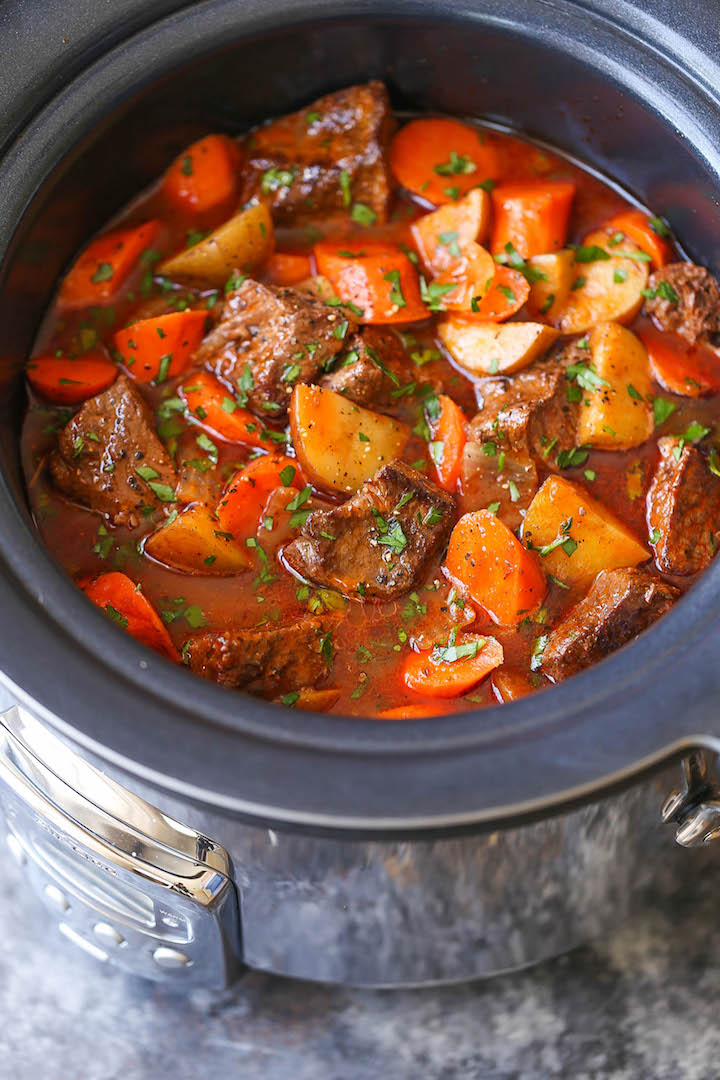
684 298
285 337
263 660
313 162
524 418
109 458
683 505
358 373
619 605
381 541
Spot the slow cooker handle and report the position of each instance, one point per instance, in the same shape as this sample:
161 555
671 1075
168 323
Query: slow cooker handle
129 885
695 805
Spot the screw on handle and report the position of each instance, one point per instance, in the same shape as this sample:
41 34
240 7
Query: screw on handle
695 806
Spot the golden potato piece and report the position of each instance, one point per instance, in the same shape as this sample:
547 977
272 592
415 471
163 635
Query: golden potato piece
548 294
576 536
338 444
242 243
603 289
194 543
618 414
489 348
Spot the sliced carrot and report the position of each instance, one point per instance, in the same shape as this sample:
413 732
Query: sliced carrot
104 265
500 575
408 712
378 279
434 674
211 403
508 292
204 177
246 496
448 443
154 350
636 226
440 236
532 216
442 159
122 600
510 685
465 283
67 381
287 268
681 368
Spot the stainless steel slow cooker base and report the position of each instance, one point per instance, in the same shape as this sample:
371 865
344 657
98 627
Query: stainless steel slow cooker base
135 888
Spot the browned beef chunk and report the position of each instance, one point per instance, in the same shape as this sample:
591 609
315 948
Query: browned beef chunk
325 157
109 458
283 335
619 605
381 541
683 505
685 298
524 419
372 367
262 660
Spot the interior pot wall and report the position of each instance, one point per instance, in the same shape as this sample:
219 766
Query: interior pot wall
559 73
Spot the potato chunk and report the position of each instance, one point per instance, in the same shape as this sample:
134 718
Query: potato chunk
242 243
576 536
194 543
549 293
604 289
340 445
490 348
616 415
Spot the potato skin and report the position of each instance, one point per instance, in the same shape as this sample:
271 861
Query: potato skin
619 415
491 348
241 243
611 289
193 538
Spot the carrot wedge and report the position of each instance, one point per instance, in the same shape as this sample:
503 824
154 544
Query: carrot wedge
442 159
104 265
507 293
637 227
154 350
122 600
287 268
487 560
440 236
213 405
449 438
532 216
204 178
408 712
465 283
68 382
244 500
378 280
448 671
681 368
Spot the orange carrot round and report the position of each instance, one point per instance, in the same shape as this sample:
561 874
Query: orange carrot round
508 292
635 225
376 278
409 712
67 381
204 178
154 350
104 265
449 438
531 215
244 500
211 403
501 575
442 159
681 368
287 268
466 282
430 674
122 600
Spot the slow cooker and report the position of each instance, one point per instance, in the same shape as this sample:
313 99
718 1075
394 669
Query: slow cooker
182 831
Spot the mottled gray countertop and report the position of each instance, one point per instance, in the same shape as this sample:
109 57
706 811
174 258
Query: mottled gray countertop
642 1004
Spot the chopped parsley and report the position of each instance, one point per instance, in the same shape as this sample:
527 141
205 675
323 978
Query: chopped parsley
456 165
363 215
273 179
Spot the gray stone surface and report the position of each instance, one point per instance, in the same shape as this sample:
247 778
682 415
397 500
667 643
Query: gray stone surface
641 1004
